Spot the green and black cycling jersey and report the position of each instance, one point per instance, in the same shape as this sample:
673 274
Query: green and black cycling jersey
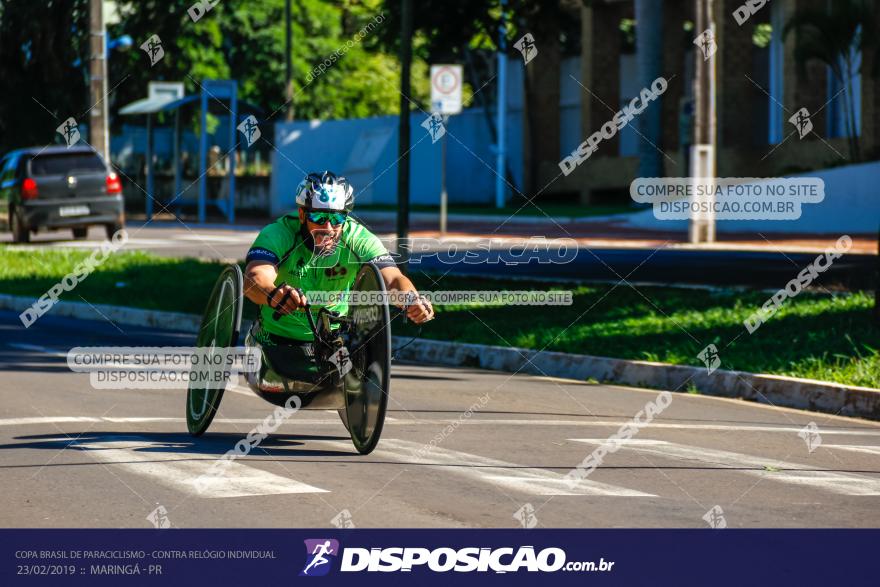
288 245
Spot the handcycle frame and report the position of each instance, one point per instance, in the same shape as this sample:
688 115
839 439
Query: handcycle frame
356 384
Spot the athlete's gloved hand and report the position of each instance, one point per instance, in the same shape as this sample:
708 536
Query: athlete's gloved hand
419 309
285 299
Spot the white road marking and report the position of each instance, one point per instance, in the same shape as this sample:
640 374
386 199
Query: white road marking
144 457
27 421
872 450
510 476
475 422
841 483
47 420
663 426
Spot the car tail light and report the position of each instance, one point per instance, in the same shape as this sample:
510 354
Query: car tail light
114 186
29 189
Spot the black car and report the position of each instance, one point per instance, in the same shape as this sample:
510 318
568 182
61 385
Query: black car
59 187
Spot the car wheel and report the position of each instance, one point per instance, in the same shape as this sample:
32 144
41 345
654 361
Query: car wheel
20 232
113 228
81 233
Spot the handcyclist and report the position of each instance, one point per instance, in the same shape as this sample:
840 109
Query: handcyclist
320 248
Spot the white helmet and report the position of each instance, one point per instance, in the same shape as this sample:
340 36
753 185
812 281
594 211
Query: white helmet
325 191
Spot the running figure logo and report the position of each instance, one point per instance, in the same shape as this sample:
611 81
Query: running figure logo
526 46
154 50
715 518
526 516
69 131
317 551
250 130
801 121
159 518
434 125
341 360
706 43
710 358
810 435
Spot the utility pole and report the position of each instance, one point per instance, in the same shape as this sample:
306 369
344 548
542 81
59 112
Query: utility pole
288 57
500 165
877 289
702 226
403 141
98 131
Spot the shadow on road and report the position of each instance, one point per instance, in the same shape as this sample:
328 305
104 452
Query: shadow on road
209 445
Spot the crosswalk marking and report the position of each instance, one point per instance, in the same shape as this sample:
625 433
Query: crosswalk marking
770 469
496 472
181 471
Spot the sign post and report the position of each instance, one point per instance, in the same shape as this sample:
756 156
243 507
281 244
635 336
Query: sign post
445 100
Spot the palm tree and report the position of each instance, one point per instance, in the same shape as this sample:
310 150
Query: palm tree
835 37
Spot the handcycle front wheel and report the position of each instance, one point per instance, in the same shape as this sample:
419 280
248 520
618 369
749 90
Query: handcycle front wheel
366 385
219 330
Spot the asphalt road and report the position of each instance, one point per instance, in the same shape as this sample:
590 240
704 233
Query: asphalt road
74 456
768 267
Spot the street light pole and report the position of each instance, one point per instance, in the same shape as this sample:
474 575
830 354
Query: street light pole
288 57
403 141
500 154
703 154
98 131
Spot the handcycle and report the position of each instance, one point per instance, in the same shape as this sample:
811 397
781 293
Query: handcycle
352 353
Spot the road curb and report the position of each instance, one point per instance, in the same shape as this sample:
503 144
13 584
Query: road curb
791 392
806 394
117 314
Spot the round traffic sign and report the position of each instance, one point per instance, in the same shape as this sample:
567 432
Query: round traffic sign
446 80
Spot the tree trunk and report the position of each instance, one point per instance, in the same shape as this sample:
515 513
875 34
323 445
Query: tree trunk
856 154
649 46
542 149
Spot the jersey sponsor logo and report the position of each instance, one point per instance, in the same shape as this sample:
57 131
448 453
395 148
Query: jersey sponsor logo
335 272
383 261
261 254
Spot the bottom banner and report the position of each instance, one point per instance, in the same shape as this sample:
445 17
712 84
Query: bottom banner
563 557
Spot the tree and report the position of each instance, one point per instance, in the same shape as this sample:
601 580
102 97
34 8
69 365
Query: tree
43 61
466 31
244 40
834 37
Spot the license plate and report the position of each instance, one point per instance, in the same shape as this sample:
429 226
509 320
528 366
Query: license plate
73 211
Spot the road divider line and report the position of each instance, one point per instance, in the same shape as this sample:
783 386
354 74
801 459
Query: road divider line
770 469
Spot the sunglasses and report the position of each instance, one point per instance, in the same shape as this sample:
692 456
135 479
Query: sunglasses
334 218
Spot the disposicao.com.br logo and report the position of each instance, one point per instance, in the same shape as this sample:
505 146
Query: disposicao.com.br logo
442 560
318 553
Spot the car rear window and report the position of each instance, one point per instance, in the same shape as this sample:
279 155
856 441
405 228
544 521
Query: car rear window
64 163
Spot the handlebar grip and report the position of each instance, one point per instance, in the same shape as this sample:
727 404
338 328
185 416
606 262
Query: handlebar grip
277 313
